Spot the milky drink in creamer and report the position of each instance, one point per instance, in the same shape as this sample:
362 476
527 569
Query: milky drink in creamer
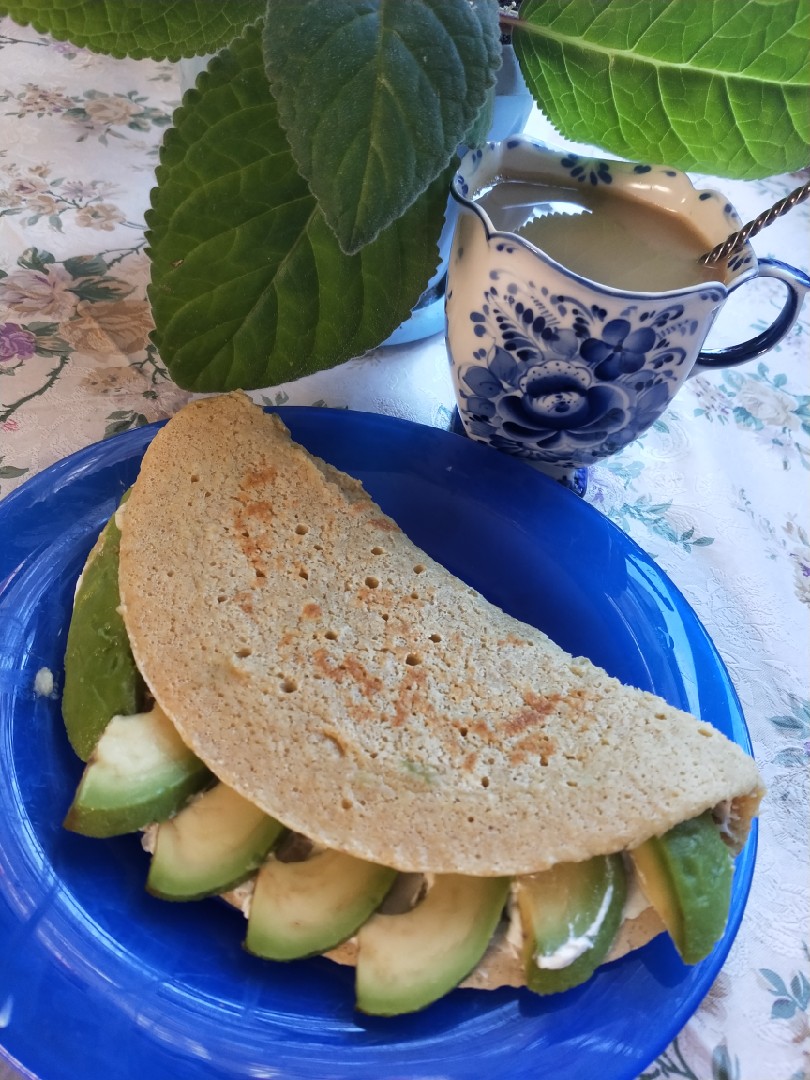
576 305
602 233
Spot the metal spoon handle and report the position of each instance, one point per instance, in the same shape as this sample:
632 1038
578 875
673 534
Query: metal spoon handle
737 239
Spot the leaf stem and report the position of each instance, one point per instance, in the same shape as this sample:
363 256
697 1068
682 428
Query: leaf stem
508 15
52 376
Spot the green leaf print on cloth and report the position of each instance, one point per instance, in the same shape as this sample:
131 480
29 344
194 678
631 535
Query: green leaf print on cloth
794 726
765 404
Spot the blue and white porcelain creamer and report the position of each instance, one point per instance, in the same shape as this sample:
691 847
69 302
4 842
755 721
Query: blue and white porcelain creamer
552 366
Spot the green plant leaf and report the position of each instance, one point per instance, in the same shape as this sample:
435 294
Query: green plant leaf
160 29
477 135
375 97
249 286
717 87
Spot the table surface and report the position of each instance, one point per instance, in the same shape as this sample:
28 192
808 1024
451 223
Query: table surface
716 491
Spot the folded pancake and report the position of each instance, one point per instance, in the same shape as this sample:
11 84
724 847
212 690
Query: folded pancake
336 676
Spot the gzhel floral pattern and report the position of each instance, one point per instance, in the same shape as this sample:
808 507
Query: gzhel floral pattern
566 381
558 369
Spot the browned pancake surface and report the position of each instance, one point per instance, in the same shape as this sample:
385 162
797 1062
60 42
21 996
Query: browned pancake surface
333 673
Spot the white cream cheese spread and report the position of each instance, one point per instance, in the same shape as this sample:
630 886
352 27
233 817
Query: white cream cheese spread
574 947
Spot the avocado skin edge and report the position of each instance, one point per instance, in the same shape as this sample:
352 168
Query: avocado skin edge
267 936
104 821
377 995
694 864
177 876
101 679
610 869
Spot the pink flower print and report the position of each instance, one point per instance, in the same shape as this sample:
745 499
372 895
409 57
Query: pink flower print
64 48
44 293
111 109
16 343
19 191
79 190
25 187
10 425
42 101
99 216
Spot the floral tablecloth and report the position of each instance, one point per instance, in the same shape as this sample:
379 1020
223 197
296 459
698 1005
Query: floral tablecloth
717 491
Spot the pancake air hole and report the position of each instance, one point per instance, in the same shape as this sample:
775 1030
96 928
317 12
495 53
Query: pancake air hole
244 653
419 568
302 529
346 804
331 635
304 573
436 637
484 781
372 582
377 551
413 659
463 732
289 686
195 478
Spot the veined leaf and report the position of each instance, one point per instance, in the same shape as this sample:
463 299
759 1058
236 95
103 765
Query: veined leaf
160 29
249 286
712 85
376 95
477 135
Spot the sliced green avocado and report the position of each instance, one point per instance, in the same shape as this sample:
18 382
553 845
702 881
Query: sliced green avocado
140 772
306 907
101 679
212 845
570 915
405 962
686 875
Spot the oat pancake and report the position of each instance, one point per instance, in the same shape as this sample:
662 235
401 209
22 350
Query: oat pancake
334 674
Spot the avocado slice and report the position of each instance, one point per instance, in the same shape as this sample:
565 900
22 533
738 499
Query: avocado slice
101 679
686 875
140 772
211 846
570 915
304 908
405 962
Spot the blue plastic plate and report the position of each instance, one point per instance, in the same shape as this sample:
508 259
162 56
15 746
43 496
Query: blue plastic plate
100 981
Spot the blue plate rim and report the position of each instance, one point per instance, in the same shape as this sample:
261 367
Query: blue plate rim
122 446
